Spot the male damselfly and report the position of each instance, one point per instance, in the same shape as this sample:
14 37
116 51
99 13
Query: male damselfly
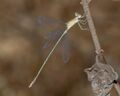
80 20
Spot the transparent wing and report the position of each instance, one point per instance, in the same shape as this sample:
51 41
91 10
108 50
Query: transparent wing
52 30
52 37
66 49
48 21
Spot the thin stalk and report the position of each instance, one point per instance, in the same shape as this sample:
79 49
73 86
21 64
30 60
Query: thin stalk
117 87
91 26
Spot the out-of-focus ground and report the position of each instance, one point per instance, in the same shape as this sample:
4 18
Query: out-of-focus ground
21 52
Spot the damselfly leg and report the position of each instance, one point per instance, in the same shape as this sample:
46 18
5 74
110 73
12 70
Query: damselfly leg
82 22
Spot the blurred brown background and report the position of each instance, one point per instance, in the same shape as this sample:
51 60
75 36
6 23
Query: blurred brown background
21 52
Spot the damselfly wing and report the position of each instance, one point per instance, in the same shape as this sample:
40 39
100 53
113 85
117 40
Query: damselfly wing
51 30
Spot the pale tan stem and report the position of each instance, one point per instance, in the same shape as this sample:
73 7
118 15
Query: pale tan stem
91 26
117 87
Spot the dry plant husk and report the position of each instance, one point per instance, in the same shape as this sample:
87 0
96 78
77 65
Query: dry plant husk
101 77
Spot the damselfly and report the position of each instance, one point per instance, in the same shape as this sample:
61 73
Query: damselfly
79 19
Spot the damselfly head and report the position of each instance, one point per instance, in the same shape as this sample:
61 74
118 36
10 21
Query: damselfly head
77 15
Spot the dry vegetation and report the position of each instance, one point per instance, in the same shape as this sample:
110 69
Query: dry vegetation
21 43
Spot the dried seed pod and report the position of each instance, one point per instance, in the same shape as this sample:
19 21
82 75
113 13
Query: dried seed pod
101 77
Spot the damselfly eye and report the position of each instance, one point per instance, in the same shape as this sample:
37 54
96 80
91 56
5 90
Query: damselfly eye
77 15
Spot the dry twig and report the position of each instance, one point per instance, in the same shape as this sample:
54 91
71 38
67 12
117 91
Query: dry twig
98 49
